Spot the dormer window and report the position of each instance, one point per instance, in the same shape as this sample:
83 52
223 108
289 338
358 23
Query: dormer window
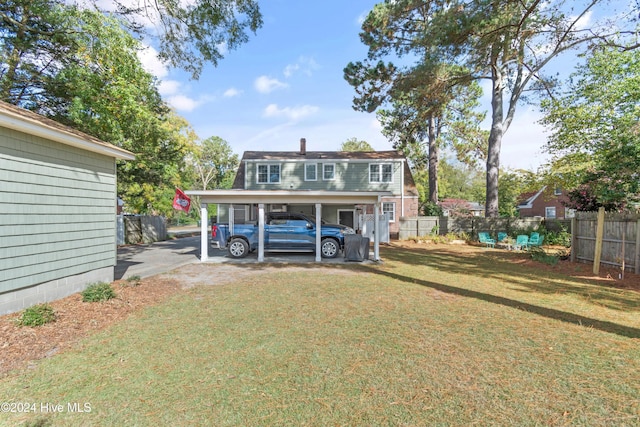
268 174
380 172
310 172
328 171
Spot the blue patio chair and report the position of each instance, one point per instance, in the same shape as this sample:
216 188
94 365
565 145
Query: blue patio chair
501 236
522 242
535 240
484 237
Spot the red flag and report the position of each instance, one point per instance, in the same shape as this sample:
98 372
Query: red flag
181 201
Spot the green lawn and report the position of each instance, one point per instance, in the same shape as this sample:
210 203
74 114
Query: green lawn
427 338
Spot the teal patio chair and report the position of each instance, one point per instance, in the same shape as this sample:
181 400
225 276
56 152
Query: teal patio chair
501 236
522 242
484 237
536 239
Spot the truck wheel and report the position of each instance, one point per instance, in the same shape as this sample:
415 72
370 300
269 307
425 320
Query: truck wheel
238 248
329 248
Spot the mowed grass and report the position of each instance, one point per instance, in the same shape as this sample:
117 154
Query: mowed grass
430 337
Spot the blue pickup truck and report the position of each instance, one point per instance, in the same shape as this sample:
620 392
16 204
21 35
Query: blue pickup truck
283 232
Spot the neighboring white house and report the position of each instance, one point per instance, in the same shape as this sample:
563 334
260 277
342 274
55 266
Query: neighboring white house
58 210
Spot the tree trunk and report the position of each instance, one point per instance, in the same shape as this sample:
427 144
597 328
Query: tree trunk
433 161
495 142
13 61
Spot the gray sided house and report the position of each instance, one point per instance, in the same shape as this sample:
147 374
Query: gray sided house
331 171
58 210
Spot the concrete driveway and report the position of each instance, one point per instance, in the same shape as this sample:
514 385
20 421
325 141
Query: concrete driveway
161 257
156 258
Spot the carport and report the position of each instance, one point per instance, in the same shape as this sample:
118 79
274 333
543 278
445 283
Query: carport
262 198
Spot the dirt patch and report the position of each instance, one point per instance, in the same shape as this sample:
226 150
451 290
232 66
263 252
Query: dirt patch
75 320
22 346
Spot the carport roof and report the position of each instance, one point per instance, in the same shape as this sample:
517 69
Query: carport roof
289 197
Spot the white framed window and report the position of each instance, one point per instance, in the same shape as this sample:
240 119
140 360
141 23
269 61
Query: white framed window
550 212
269 174
310 172
557 191
389 208
328 171
380 172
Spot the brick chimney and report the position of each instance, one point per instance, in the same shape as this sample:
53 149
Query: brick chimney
303 146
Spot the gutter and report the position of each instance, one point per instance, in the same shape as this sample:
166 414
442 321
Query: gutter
18 119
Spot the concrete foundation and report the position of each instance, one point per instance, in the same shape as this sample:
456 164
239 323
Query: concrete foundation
20 299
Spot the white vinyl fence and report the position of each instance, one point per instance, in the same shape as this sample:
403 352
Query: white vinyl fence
383 227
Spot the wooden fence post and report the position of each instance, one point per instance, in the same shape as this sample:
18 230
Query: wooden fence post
599 237
574 239
637 258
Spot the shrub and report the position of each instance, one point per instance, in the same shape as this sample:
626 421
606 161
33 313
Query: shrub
132 281
37 315
539 254
98 292
562 237
450 237
431 209
462 235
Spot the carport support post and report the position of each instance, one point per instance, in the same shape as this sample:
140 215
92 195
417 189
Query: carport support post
204 228
376 234
318 232
261 232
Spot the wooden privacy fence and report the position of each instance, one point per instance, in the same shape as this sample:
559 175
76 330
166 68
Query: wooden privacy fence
441 225
142 229
418 226
620 246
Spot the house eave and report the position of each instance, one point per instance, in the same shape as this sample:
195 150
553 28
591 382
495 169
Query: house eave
529 203
30 123
288 196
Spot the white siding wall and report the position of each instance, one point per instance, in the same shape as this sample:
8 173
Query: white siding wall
57 218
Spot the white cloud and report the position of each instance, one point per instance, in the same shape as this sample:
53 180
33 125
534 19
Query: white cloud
294 113
172 91
231 92
264 84
150 62
184 103
169 87
148 17
305 64
222 48
584 22
290 69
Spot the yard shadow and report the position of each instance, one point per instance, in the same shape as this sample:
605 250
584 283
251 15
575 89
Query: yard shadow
468 266
471 267
491 265
500 265
122 267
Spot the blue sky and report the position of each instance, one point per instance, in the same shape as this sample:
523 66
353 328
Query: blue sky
287 83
